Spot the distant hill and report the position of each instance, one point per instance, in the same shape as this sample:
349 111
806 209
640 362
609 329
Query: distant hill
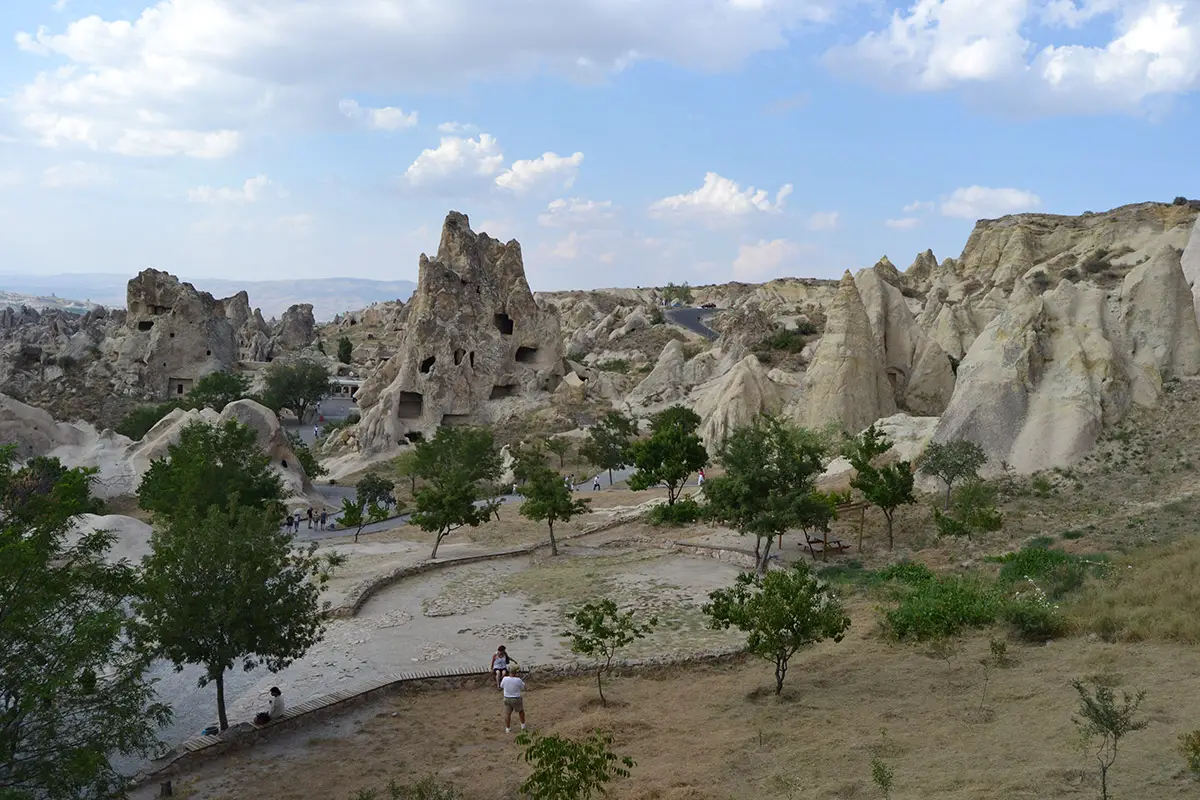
329 296
42 303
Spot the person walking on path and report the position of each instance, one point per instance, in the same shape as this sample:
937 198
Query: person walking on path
287 523
700 478
513 687
323 518
310 517
500 664
596 483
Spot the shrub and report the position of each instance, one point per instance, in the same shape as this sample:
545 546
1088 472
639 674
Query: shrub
1058 573
805 327
1179 201
1033 617
786 340
312 467
684 511
940 607
1189 747
620 365
656 316
137 423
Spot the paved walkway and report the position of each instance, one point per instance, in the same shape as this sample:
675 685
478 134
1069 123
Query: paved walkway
692 319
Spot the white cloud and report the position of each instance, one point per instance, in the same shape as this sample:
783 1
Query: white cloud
251 191
456 160
75 175
575 211
388 118
194 77
722 197
566 249
979 202
980 45
551 170
902 224
457 127
824 221
767 259
918 207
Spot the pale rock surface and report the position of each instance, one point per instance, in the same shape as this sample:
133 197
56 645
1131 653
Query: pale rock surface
132 536
846 384
1156 305
909 437
1190 261
734 399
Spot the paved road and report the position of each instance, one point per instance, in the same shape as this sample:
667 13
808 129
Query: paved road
692 319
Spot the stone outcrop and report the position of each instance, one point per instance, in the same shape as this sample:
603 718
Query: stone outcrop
473 336
735 399
1046 375
846 383
297 328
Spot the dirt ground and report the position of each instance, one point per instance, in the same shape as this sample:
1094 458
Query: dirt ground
717 732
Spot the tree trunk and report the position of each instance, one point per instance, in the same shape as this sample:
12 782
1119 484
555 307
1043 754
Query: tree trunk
553 544
948 485
610 477
672 493
888 515
766 553
780 673
357 531
600 687
222 720
437 540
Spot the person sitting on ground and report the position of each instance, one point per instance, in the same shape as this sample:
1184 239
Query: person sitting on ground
500 664
513 687
276 710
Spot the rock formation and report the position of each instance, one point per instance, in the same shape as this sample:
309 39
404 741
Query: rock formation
846 383
297 328
735 399
473 336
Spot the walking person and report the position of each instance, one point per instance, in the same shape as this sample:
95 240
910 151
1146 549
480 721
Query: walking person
296 521
287 522
500 663
596 483
323 518
316 432
700 478
513 687
310 517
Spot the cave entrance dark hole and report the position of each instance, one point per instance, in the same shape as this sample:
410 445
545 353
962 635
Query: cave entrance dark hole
504 324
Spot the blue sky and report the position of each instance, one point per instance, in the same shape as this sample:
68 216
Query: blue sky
618 142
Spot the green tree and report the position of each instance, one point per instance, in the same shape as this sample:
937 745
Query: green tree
312 467
137 423
607 443
780 612
345 350
1101 717
960 459
406 468
769 485
225 587
549 500
682 292
570 769
972 510
72 685
454 465
217 390
208 465
887 487
670 455
599 630
296 386
560 446
374 489
353 516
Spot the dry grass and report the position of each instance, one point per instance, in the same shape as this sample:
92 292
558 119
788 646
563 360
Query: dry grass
717 732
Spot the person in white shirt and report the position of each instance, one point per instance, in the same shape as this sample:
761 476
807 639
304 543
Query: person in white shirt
277 707
513 687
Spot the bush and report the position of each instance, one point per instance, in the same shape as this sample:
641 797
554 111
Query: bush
685 511
137 423
940 607
620 365
1033 617
656 316
1056 572
1179 201
312 467
785 340
1189 747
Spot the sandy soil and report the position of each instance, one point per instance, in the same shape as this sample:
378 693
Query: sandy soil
717 732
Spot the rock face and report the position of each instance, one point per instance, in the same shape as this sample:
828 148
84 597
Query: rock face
473 335
734 400
846 383
1045 376
297 328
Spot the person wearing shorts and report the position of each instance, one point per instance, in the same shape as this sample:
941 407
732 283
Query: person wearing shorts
500 664
513 687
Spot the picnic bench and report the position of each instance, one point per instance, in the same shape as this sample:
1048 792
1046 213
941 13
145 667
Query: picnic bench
823 544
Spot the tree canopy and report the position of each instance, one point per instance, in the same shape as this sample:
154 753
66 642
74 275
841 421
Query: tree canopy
548 499
560 446
217 390
345 350
889 486
607 444
769 485
454 465
72 685
296 386
206 467
781 612
959 459
374 490
671 453
226 587
600 630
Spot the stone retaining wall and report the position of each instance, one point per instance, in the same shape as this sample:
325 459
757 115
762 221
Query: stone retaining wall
194 752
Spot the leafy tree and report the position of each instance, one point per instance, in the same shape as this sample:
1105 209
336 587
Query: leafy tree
887 487
217 390
960 459
672 292
607 442
312 467
137 423
570 769
353 515
72 685
599 630
769 483
453 465
406 467
1101 717
208 465
374 489
972 510
560 446
549 500
781 612
345 350
225 587
296 386
670 455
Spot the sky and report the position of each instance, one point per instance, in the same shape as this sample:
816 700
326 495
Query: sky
622 142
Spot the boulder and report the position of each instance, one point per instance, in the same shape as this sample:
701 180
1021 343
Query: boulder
33 431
